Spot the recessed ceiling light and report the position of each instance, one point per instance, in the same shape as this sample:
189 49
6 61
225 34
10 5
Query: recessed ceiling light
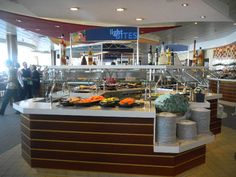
37 29
74 8
184 4
203 16
57 26
18 20
234 24
139 19
120 9
195 23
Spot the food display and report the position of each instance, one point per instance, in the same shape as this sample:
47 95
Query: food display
90 101
109 102
155 95
84 88
102 101
74 99
70 101
127 102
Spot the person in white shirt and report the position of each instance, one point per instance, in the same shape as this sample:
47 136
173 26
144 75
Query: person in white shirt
11 88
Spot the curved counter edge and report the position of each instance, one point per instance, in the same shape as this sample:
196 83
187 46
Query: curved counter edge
32 106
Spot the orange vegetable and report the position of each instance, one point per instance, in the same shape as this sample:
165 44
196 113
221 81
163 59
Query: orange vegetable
128 101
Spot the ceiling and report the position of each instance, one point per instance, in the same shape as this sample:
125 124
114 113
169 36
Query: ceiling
220 15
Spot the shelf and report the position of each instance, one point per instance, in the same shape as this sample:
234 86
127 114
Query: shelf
80 67
184 145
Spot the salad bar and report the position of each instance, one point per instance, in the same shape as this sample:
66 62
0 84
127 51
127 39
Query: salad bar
101 138
107 122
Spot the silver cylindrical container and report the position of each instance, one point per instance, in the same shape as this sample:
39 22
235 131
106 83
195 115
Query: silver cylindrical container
202 117
186 129
166 128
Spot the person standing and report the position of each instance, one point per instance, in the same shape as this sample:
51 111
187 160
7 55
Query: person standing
11 87
36 81
20 84
27 81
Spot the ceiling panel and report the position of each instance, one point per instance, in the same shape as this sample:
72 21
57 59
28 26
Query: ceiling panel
103 11
159 13
188 32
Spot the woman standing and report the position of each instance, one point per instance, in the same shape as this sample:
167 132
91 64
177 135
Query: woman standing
11 88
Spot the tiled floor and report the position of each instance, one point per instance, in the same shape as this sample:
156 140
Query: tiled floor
9 130
220 162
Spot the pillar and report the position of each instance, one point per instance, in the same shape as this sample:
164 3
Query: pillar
12 47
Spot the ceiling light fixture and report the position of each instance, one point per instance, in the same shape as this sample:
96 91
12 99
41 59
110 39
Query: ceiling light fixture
57 26
184 4
74 8
18 20
203 16
195 23
195 37
37 29
120 9
139 19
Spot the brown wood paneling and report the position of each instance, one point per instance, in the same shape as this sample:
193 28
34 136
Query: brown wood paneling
92 119
25 130
26 122
110 158
26 140
91 144
213 112
26 157
93 147
193 163
26 150
94 127
226 88
216 130
112 138
229 98
130 169
215 124
191 154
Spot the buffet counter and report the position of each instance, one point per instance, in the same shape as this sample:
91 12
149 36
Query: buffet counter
118 140
36 106
226 87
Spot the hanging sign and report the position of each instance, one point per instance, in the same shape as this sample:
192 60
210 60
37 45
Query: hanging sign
112 33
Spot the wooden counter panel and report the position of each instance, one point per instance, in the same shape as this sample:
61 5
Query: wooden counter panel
106 158
213 113
190 155
113 168
95 137
91 119
216 130
95 127
227 89
186 166
92 147
105 149
215 123
229 98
